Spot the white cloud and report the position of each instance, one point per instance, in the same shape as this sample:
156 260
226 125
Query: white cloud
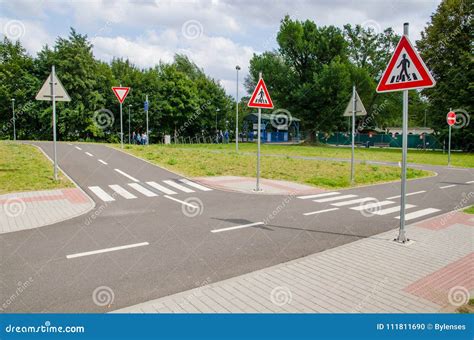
32 34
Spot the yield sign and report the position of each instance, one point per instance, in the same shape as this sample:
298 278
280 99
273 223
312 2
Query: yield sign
260 97
405 70
121 93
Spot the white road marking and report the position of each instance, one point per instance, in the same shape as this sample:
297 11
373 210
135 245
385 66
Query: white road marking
127 175
69 144
419 213
237 227
122 192
101 194
392 209
195 185
161 188
448 186
103 162
89 154
372 205
78 148
318 195
357 200
320 211
106 250
178 186
330 199
182 202
469 182
409 194
142 190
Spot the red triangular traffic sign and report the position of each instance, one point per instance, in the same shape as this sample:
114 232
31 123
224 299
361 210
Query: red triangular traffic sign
260 97
406 70
121 93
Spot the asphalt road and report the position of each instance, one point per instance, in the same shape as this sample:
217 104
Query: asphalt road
165 249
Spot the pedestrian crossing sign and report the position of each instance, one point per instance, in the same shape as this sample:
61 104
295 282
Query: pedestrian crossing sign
406 70
260 97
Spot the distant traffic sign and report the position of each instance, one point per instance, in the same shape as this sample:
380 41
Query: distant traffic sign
45 93
406 70
145 105
359 107
451 118
121 93
260 97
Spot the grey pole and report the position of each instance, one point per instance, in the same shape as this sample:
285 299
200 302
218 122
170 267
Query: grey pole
147 134
401 234
129 137
13 113
258 141
449 143
353 132
237 68
53 99
121 125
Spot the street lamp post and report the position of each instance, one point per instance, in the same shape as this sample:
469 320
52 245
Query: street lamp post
129 136
217 110
13 114
237 68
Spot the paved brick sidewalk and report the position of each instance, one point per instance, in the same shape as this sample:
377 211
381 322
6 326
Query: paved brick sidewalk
372 275
33 209
247 185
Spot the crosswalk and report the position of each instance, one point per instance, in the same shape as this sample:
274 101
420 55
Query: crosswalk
149 189
365 204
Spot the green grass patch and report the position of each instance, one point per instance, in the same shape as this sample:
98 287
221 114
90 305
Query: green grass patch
362 154
469 210
196 162
24 168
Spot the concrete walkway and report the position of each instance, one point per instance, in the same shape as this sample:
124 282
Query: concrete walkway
33 209
434 272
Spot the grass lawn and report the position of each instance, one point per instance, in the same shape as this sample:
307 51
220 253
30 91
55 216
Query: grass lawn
469 210
327 174
25 168
371 154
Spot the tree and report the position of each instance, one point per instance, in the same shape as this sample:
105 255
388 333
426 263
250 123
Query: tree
446 47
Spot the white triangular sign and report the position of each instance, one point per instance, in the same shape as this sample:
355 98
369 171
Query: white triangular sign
360 109
60 94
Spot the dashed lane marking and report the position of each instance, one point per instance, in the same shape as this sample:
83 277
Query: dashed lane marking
320 211
127 175
103 162
447 186
78 148
107 250
237 227
89 154
182 202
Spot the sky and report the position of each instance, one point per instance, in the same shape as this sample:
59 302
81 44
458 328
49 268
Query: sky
216 34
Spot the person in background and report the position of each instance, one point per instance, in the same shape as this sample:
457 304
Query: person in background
226 137
144 139
133 137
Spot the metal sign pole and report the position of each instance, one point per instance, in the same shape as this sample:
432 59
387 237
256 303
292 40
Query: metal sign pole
449 146
353 132
237 112
147 133
53 99
258 142
13 112
402 235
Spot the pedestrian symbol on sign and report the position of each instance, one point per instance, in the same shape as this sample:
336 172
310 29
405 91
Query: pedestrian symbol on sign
405 64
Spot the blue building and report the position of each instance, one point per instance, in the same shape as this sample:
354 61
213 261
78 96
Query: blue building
276 128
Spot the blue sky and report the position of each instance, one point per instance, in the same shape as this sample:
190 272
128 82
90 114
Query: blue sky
215 34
